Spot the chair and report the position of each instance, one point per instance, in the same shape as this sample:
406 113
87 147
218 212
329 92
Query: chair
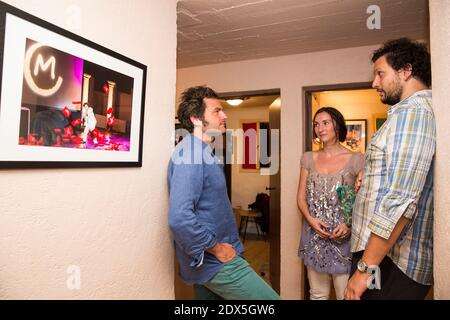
245 217
262 204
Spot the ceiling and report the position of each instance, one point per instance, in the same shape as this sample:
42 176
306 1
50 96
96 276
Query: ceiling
215 31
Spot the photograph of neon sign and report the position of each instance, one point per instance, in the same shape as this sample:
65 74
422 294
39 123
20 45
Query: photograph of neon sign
73 103
66 101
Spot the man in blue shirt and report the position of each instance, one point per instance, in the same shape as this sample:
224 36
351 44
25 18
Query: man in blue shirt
201 219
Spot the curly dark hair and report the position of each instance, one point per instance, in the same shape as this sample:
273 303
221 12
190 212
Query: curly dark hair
402 52
192 104
338 120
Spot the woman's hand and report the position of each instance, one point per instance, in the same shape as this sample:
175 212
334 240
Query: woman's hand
358 181
342 231
319 227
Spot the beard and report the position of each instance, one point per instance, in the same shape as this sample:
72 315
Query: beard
394 96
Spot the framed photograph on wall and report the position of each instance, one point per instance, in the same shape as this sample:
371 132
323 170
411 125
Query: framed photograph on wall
378 120
356 135
250 143
66 101
256 148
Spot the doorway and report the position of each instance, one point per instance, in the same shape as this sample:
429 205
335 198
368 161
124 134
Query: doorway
363 112
260 109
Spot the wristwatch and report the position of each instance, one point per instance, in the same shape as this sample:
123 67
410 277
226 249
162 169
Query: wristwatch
362 266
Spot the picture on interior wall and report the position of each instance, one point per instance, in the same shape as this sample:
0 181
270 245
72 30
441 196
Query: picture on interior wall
356 135
66 101
250 144
378 120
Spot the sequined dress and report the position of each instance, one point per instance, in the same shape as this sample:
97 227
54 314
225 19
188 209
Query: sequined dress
326 255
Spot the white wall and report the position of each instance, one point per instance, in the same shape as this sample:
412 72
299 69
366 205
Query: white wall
290 74
112 223
246 184
440 62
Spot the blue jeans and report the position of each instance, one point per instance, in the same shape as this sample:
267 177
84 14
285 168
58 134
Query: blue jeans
236 281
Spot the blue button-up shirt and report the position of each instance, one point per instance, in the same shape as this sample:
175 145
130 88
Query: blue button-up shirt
200 213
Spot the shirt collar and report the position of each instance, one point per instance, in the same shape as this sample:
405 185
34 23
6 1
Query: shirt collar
404 101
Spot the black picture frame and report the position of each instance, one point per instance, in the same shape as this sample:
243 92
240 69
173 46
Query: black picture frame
356 139
47 74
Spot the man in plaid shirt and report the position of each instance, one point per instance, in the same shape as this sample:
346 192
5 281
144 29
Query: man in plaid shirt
392 231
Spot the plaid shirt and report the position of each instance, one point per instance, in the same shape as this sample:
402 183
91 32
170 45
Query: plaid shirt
398 181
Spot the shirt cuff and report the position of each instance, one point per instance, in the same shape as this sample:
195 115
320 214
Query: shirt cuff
198 261
382 225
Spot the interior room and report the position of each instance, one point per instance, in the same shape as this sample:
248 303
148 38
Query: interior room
361 106
247 183
114 241
246 180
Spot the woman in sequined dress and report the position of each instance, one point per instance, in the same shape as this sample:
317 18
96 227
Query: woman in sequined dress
325 238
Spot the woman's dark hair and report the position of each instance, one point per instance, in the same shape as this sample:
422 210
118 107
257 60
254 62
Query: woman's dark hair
338 120
402 52
193 105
